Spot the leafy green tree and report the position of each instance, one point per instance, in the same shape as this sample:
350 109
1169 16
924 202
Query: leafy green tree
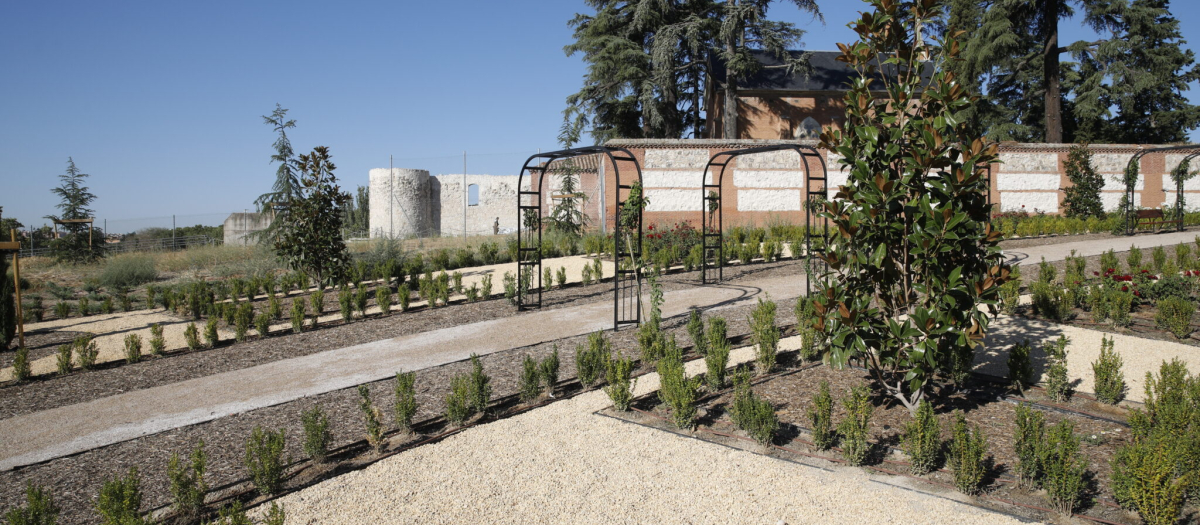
358 212
567 215
914 256
287 186
73 246
1083 197
311 240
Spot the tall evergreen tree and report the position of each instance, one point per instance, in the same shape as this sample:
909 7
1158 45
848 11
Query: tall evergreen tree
73 246
8 310
287 180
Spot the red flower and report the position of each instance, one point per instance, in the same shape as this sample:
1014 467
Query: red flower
1153 277
1124 288
1095 273
1139 294
651 227
1145 270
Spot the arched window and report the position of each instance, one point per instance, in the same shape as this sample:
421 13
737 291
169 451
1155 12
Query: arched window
808 129
473 195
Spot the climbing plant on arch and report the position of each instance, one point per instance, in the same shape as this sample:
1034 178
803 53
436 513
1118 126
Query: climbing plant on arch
915 268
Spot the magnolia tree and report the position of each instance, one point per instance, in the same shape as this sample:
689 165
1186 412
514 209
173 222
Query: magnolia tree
914 267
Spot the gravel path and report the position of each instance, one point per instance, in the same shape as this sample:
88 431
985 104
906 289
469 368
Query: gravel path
565 464
1059 251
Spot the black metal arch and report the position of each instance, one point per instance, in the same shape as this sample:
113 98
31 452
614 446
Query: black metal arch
713 233
1129 189
627 302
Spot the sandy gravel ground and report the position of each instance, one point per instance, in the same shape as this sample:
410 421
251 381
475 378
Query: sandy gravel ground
111 329
564 464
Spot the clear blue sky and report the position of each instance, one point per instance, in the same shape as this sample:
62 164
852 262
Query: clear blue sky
160 102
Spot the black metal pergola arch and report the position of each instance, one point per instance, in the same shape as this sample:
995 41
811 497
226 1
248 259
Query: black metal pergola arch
627 301
711 211
1130 224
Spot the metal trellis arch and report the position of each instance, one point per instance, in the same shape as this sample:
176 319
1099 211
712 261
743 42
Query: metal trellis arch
1131 212
711 211
627 301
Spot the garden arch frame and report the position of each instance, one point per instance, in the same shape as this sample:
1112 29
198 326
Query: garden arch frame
627 301
1130 223
711 209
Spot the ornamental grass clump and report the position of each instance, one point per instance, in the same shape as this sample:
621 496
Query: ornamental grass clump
1174 314
120 500
765 335
529 383
751 413
297 316
133 348
695 329
317 436
967 456
1020 367
211 336
821 416
1109 380
1058 384
39 508
372 419
548 371
618 372
677 392
1062 467
187 484
158 343
265 460
405 406
1028 438
923 440
855 426
590 359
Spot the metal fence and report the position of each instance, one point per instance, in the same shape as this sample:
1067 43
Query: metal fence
141 245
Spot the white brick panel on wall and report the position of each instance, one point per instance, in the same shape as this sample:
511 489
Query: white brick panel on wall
1189 185
836 180
782 159
1191 200
1025 162
769 200
676 158
768 179
1027 181
1116 181
1112 199
673 200
1046 201
672 179
1111 162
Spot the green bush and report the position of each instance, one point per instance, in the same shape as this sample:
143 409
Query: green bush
265 460
242 320
187 483
1029 437
64 359
695 329
529 383
549 371
317 300
510 287
133 348
262 323
854 427
481 387
1145 479
677 391
383 299
765 335
346 308
360 300
1183 256
1020 368
274 309
1175 315
1051 301
717 360
158 343
1108 378
372 419
751 413
62 309
618 372
1010 296
485 286
821 415
1108 261
128 270
923 440
1046 272
316 434
1159 256
1119 306
458 401
1058 384
1063 467
405 406
298 316
87 351
106 306
39 508
1133 260
84 307
967 451
233 514
211 336
21 368
590 359
120 500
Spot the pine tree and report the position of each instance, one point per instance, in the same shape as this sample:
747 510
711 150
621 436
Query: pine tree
567 216
73 245
287 185
311 240
1083 197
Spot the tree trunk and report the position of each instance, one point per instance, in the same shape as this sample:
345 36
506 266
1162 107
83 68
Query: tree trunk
1050 70
729 117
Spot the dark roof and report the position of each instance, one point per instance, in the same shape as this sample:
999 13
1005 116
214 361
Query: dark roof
826 73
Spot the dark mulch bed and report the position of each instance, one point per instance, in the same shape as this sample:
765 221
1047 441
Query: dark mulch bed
986 404
76 480
40 344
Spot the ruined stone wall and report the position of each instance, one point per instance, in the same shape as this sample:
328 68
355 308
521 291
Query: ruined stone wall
240 227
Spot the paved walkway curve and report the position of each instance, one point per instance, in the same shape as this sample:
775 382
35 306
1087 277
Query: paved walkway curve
57 432
1060 251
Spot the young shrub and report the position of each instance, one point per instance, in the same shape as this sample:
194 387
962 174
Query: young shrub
510 287
360 300
64 359
547 278
1058 385
1052 301
472 293
1020 368
1183 256
457 278
317 300
1010 297
716 362
87 351
695 329
21 367
854 428
274 309
345 304
1046 272
211 336
750 413
297 315
1108 378
1030 435
126 303
585 276
1108 261
133 348
120 500
967 452
242 320
106 307
677 391
765 335
403 294
62 309
548 371
316 434
529 383
39 508
1119 306
1175 314
597 270
1145 479
923 440
406 401
485 286
187 483
383 299
1159 257
821 415
158 343
265 460
232 514
262 323
591 358
481 387
1133 260
618 371
458 402
372 418
560 276
1063 467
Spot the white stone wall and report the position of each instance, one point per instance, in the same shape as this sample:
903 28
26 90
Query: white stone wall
240 227
399 203
1030 201
672 178
497 199
1026 162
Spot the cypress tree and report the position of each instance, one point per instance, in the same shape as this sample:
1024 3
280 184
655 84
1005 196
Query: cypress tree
8 310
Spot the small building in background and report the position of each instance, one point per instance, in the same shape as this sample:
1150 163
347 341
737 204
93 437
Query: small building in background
240 227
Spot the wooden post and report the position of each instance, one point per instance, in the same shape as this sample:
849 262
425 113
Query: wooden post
17 288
